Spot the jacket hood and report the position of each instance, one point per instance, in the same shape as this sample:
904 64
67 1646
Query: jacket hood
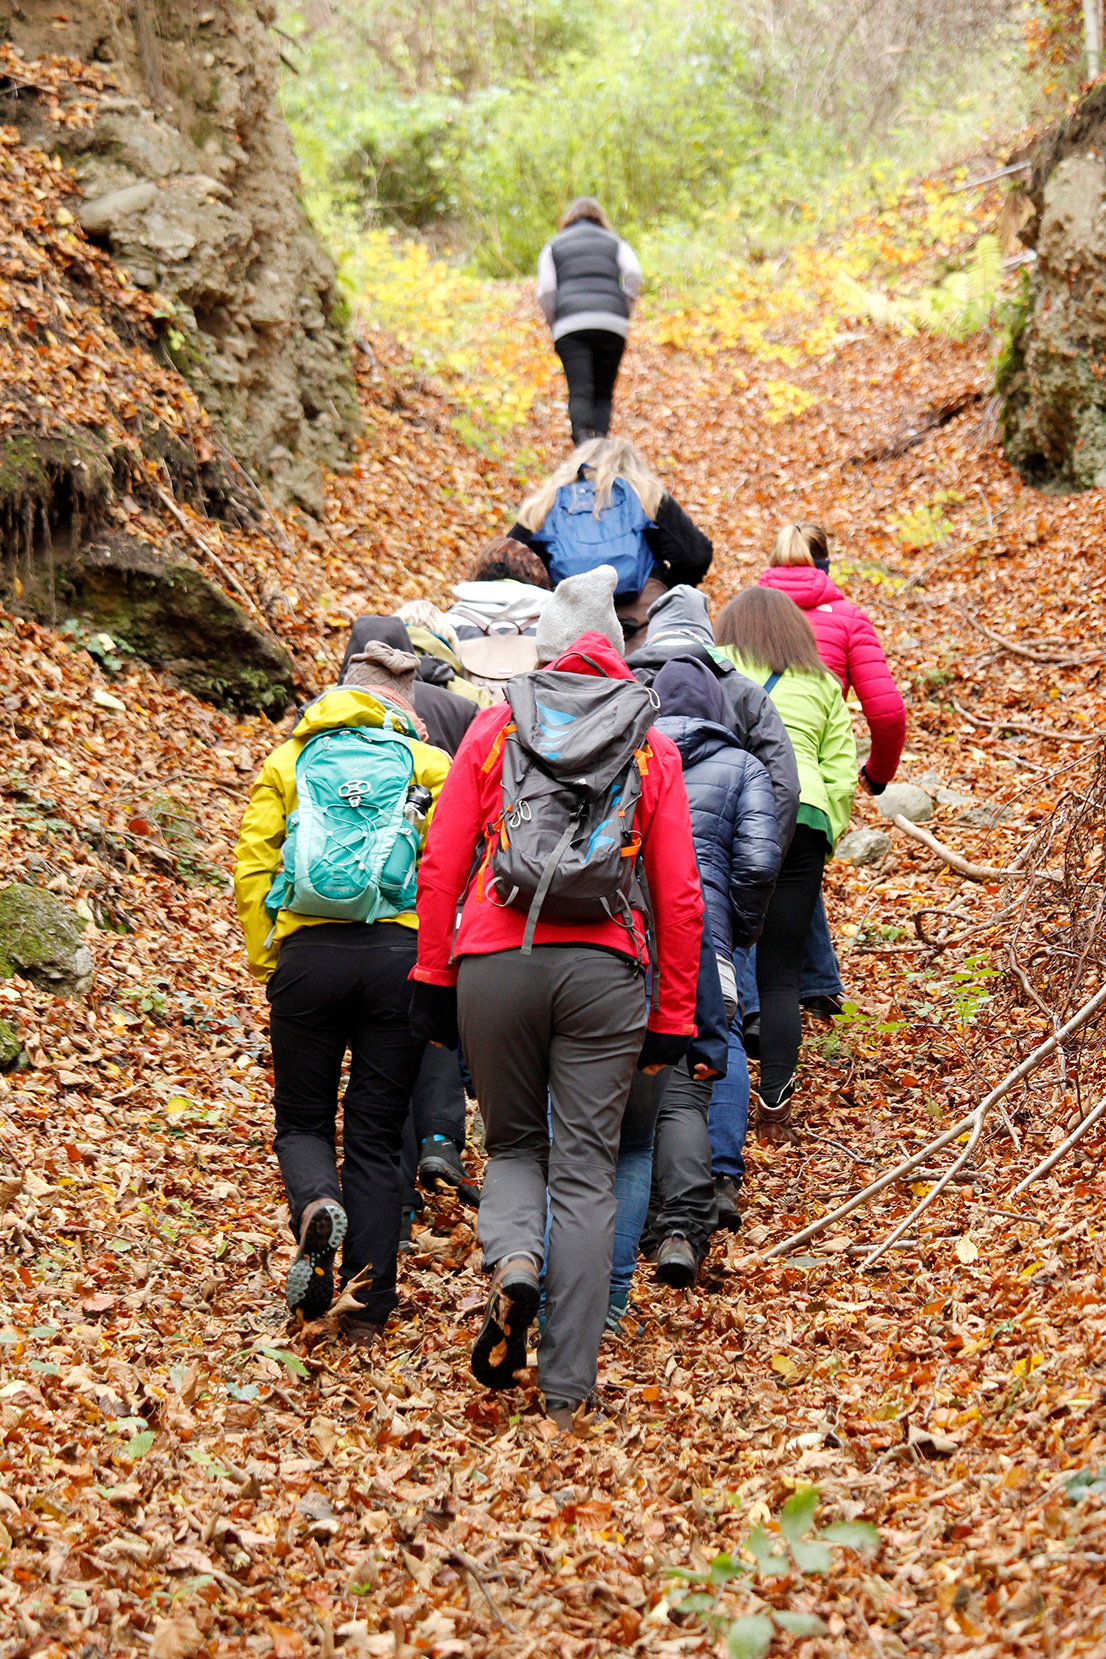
657 652
696 739
605 659
348 706
687 686
804 584
682 611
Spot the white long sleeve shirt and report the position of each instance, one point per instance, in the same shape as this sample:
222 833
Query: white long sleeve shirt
630 272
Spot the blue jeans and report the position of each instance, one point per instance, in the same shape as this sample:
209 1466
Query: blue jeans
728 1121
821 975
633 1176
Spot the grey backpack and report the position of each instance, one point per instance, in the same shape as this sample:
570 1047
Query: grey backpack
564 846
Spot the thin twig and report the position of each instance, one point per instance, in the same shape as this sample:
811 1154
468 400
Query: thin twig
197 540
972 872
468 1565
1058 1152
1024 726
1019 650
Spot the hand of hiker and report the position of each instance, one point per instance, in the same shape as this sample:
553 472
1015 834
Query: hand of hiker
434 1013
704 1074
659 1049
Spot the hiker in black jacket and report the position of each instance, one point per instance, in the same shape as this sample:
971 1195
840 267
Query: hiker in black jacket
588 280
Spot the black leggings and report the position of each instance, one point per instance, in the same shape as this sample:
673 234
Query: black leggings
780 959
590 357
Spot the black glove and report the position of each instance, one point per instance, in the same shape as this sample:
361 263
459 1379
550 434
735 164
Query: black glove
661 1049
876 788
434 1013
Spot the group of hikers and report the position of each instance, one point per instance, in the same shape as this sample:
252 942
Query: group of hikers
559 847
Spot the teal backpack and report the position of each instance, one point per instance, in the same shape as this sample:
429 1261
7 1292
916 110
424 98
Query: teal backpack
352 785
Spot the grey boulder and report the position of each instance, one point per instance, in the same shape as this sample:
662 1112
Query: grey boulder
41 941
863 846
905 799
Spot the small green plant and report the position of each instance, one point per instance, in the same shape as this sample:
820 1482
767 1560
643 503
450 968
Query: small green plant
791 1546
929 524
104 648
965 988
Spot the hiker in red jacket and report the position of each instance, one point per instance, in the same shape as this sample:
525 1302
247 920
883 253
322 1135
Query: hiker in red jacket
847 644
552 1036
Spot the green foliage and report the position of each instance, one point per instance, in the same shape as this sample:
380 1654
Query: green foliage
963 303
794 1546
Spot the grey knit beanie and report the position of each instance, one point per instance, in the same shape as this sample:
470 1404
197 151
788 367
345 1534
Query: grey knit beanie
579 605
382 666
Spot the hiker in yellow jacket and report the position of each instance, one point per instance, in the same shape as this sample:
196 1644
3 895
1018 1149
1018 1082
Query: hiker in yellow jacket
324 881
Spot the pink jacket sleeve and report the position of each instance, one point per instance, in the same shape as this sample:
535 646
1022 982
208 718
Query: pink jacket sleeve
880 698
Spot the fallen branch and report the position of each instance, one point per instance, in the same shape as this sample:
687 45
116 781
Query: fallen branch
1032 655
1060 1151
1024 726
458 1558
972 872
197 540
1029 1064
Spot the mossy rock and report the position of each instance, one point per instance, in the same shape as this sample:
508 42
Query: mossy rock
53 488
179 621
41 941
10 1047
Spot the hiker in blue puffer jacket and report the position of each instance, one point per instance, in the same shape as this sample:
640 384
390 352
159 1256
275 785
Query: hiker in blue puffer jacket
737 845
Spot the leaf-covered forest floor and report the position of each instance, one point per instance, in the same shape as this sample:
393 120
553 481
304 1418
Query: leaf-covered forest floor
181 1474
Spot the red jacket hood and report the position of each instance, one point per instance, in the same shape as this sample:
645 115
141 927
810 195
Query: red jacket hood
805 584
603 654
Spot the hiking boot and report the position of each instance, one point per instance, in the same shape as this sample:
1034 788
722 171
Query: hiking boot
407 1245
725 1191
500 1348
562 1412
440 1163
774 1116
677 1263
822 1008
360 1333
750 1036
309 1287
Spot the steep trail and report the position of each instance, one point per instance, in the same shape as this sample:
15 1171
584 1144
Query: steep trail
178 1467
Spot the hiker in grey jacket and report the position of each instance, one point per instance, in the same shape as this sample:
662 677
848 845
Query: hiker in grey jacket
679 627
588 280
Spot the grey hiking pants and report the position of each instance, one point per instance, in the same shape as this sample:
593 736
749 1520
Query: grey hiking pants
553 1037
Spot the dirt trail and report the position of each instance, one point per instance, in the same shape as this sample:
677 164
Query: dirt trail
181 1471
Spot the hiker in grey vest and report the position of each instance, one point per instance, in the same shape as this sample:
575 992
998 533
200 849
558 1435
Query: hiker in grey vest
588 280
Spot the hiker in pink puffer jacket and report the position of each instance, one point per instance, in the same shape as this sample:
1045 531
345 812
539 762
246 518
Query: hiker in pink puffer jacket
847 643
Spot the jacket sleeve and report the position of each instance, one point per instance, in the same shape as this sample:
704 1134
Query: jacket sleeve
678 545
754 851
519 532
447 860
547 284
762 732
630 268
879 696
256 861
674 889
837 762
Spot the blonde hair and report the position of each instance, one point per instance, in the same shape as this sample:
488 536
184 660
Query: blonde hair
607 459
799 544
584 207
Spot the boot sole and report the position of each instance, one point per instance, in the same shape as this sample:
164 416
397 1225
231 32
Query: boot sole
500 1349
432 1170
309 1287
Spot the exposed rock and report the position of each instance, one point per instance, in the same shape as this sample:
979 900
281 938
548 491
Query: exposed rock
40 940
953 797
167 610
863 846
191 181
908 799
1051 379
984 817
10 1047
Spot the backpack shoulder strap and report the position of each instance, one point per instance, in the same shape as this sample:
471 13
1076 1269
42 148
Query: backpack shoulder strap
771 682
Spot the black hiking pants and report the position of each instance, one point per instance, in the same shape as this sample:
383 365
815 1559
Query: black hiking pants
780 953
437 1108
339 986
590 357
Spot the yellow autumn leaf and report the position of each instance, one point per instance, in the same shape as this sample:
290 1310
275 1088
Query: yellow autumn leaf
966 1250
784 1366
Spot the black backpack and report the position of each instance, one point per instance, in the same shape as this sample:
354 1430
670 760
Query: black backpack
564 845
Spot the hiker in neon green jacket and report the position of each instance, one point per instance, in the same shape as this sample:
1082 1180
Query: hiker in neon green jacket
767 637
